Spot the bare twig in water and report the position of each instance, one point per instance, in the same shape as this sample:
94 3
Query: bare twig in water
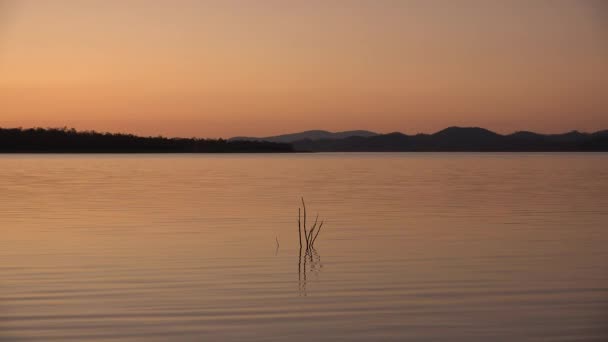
318 231
310 235
299 228
305 233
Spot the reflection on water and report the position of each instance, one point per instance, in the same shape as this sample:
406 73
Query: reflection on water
308 264
422 247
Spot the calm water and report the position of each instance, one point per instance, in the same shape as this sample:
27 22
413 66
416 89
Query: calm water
437 247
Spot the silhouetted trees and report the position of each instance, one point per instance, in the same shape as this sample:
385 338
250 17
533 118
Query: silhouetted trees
68 140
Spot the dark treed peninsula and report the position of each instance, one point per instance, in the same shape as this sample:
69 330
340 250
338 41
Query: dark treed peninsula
452 139
64 140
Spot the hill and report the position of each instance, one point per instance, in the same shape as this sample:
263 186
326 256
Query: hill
451 139
473 139
312 135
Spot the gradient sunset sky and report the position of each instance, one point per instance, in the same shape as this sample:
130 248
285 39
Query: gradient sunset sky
226 68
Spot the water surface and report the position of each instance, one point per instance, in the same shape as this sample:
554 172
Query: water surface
437 247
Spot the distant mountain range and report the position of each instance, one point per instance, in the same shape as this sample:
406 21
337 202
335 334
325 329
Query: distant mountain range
450 139
311 135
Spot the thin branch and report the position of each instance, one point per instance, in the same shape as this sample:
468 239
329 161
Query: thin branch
316 219
318 231
310 235
309 238
305 233
299 228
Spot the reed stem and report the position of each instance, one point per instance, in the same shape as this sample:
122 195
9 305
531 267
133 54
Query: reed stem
310 236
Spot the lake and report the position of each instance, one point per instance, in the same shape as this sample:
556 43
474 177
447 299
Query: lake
414 246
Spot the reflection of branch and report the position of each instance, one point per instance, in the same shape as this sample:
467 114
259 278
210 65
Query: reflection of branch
309 262
300 270
304 283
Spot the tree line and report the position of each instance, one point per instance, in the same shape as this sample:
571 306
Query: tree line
69 140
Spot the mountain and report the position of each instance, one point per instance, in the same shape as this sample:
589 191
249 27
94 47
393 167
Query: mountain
463 139
598 142
312 135
451 139
603 133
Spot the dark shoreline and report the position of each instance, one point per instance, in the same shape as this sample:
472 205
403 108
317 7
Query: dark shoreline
453 139
64 140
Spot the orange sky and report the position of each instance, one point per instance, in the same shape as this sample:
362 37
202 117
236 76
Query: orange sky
225 68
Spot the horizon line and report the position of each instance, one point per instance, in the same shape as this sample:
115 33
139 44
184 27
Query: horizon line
67 128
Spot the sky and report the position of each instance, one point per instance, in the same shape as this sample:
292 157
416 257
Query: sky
258 68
